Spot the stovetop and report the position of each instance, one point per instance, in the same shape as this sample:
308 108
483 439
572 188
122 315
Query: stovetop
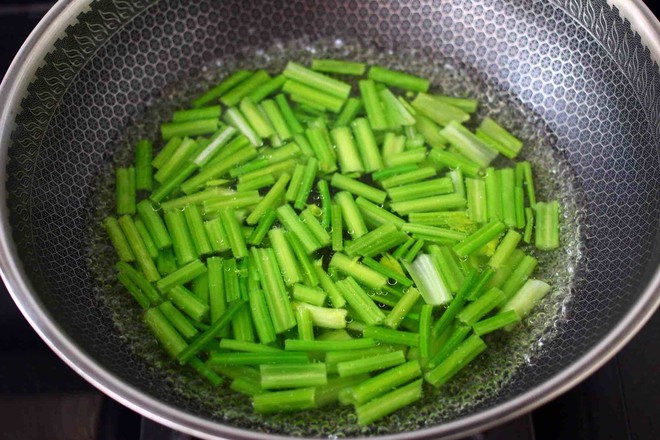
42 398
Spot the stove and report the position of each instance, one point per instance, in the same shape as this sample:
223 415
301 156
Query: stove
620 401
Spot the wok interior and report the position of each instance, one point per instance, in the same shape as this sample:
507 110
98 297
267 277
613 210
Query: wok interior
581 113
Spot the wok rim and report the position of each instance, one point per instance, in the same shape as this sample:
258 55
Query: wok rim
12 90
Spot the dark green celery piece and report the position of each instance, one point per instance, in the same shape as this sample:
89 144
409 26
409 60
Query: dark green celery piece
336 228
375 242
307 182
296 226
140 281
388 380
479 239
274 289
267 88
518 277
329 393
390 336
386 173
188 303
388 403
370 364
197 230
154 224
194 114
218 168
425 325
134 290
118 239
456 361
283 401
177 160
358 188
207 336
142 257
351 215
387 271
177 319
143 171
453 337
234 95
455 306
398 79
182 242
434 233
288 115
501 320
181 276
529 225
350 110
198 127
165 332
326 203
228 83
283 376
376 215
217 358
338 67
372 105
367 146
166 152
334 293
125 190
351 344
448 159
306 264
291 272
360 301
273 196
277 119
481 307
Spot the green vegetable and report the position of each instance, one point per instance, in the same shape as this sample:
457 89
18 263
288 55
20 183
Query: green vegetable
339 66
125 190
326 242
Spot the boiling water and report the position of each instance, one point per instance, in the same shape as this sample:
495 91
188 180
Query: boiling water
481 381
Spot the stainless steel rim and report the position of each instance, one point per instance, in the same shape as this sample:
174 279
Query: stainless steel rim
12 88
